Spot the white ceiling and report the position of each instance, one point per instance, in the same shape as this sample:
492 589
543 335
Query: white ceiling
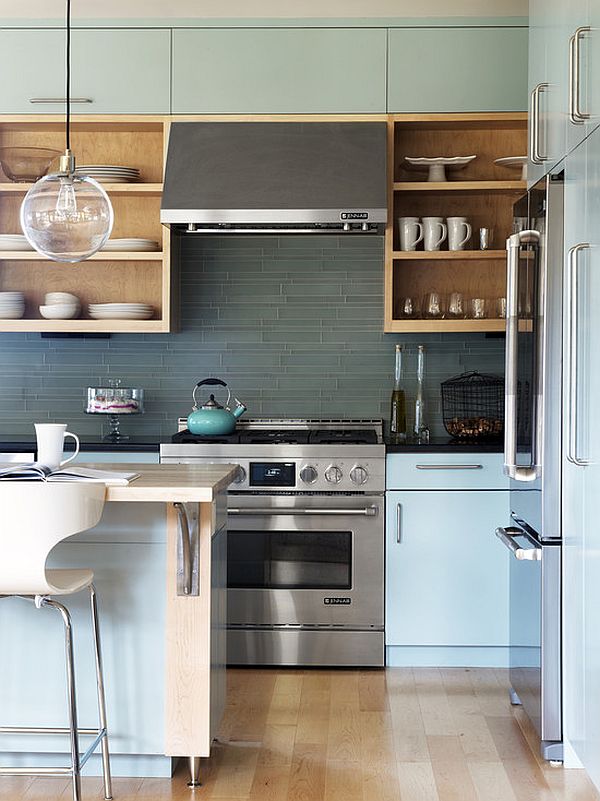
199 9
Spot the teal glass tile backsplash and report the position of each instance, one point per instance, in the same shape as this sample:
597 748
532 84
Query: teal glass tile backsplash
292 323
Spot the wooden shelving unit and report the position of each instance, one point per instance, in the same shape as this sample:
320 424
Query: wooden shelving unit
109 276
484 195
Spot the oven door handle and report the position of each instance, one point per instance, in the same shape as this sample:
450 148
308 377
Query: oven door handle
367 511
522 554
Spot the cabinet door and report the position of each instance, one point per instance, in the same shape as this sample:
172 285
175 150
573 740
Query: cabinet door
581 468
279 71
457 69
446 572
130 580
120 71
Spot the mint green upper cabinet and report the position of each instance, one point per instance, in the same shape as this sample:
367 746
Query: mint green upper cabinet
457 69
269 71
123 71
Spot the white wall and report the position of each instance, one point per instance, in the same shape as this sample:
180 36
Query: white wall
44 9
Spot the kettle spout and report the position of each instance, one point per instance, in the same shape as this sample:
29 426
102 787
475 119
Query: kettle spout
239 409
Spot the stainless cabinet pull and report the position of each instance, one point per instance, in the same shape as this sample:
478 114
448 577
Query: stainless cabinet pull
60 100
398 523
576 115
534 130
369 511
513 244
187 554
449 466
522 554
573 351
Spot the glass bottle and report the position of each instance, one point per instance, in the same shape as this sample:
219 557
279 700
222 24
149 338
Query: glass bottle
421 430
398 405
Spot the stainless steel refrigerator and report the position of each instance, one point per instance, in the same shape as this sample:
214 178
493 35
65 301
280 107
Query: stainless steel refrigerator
532 456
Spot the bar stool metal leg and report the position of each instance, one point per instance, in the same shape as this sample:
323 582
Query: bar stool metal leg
72 704
101 699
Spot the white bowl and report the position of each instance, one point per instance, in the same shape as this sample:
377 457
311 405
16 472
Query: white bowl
60 311
61 297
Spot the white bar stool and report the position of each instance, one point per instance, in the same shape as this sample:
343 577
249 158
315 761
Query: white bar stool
34 517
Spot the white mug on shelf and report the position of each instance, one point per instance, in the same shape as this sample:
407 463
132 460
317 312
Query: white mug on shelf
410 232
434 232
459 233
51 444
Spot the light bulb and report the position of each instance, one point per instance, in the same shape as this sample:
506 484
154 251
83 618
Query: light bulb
66 217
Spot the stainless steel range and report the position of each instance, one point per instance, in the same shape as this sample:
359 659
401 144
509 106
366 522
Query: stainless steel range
305 540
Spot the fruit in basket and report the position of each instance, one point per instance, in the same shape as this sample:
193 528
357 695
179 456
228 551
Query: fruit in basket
475 427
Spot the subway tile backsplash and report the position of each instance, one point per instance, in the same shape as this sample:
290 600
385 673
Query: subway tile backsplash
292 323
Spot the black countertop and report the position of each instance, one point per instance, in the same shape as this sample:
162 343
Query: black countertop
17 444
445 445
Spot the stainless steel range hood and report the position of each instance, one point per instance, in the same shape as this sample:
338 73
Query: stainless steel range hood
276 177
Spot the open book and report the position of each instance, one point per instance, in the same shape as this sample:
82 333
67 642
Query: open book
41 472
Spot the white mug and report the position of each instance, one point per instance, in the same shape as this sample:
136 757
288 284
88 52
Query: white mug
435 232
410 232
459 233
51 442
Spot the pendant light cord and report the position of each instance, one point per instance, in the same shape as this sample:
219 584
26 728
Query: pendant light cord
68 75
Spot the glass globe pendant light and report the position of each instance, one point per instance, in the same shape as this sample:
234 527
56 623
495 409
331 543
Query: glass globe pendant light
65 216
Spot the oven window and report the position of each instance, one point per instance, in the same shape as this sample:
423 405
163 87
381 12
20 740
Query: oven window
289 560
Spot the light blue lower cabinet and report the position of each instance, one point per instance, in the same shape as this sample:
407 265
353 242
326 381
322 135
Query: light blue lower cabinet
124 457
130 580
447 578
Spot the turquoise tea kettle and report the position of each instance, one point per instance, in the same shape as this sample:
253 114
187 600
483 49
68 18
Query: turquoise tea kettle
212 419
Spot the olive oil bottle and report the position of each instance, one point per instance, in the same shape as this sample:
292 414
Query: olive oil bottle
398 406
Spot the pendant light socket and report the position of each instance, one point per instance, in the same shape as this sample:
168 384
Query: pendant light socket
66 163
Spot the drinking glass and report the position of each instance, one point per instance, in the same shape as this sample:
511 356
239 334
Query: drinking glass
456 305
433 305
478 308
407 308
501 308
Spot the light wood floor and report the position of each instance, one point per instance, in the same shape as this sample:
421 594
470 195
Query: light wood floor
399 735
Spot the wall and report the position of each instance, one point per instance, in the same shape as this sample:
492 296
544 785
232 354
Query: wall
265 8
293 323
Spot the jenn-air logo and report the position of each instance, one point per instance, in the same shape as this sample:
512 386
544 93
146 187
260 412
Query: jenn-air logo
354 215
337 601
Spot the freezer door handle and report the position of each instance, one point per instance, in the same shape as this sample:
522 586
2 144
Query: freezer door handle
513 245
507 537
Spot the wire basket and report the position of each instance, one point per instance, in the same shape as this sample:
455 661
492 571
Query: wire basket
473 406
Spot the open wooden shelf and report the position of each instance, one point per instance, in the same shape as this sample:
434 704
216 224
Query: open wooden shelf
484 196
489 325
448 255
108 276
84 326
112 189
113 255
460 186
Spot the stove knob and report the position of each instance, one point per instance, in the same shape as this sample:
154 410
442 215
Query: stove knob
359 474
333 474
309 474
240 476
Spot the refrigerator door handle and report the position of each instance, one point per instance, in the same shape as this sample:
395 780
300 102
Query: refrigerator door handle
507 538
513 245
573 351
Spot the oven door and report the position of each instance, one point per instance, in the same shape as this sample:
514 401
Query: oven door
305 560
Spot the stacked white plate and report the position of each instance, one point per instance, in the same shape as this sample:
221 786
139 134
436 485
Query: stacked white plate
131 244
120 311
14 242
12 305
109 173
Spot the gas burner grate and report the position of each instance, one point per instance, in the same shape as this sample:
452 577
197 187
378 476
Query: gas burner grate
274 437
186 437
342 437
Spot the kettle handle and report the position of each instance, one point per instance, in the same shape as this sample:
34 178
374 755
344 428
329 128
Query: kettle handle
213 382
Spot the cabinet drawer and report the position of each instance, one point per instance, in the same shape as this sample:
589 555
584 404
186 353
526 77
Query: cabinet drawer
453 471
